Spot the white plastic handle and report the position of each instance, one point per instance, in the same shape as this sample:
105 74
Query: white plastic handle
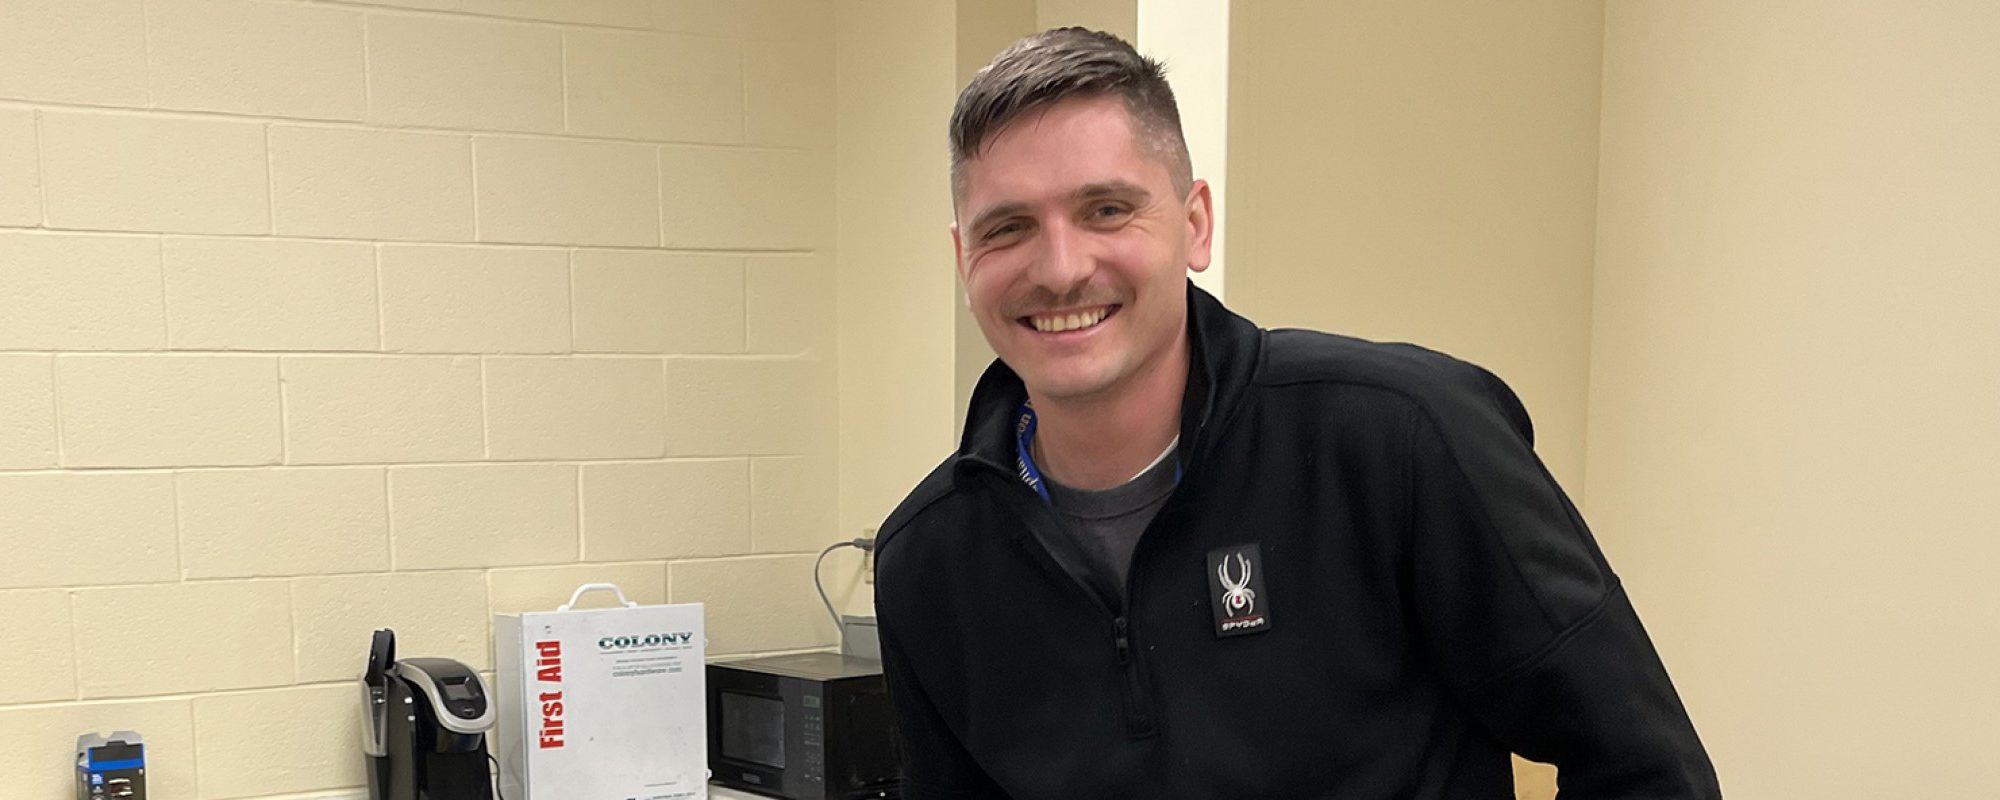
597 587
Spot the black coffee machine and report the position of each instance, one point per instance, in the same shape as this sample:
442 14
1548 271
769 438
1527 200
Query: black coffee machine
424 724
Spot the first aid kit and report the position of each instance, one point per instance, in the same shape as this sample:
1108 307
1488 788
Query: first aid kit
602 704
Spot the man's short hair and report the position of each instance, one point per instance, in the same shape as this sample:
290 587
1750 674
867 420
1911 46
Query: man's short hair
1061 64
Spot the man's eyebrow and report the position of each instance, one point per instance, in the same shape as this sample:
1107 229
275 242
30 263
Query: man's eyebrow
986 217
1112 189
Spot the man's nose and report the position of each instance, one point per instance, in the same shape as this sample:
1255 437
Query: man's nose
1065 261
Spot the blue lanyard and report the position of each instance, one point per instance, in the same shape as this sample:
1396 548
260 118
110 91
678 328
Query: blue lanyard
1024 464
1024 432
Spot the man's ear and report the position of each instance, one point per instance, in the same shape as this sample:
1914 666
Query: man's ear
958 253
1201 225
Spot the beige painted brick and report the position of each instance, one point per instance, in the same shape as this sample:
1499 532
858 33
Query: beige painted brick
369 184
753 199
745 406
38 745
27 412
424 5
271 59
39 649
541 191
636 302
575 408
129 172
161 411
439 614
71 292
74 51
154 411
512 591
660 87
614 13
125 519
619 13
262 522
789 302
183 637
793 500
488 515
449 299
788 93
20 174
296 739
464 73
382 410
750 19
266 294
666 509
755 604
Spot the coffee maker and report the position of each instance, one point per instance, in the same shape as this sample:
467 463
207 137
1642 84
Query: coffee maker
423 728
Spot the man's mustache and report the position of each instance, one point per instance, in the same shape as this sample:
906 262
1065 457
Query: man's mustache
1042 300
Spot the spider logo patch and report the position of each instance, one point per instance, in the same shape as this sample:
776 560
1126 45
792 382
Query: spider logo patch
1236 595
1236 590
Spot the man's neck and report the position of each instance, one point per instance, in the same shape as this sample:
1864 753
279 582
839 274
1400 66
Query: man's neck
1101 441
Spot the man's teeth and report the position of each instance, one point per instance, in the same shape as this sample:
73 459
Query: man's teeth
1057 323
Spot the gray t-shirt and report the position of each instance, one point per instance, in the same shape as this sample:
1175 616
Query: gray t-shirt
1103 526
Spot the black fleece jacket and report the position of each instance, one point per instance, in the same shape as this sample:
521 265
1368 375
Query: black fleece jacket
1414 599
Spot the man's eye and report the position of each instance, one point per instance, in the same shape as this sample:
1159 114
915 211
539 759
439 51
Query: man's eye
998 231
1108 211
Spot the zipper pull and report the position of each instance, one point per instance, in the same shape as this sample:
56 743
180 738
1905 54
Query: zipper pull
1124 643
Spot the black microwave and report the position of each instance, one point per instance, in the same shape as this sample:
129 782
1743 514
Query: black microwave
813 726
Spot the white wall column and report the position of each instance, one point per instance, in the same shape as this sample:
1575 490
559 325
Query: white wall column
1192 37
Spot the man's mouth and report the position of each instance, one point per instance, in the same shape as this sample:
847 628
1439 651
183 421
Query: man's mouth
1075 320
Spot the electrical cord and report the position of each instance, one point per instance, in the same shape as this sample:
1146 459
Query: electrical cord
496 776
865 545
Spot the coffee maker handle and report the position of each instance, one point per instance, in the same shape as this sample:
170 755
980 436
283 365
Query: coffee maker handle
597 587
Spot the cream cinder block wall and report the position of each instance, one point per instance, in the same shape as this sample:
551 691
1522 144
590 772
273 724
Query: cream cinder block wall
1794 379
317 317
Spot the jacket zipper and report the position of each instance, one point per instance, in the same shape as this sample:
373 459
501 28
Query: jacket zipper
1138 702
1138 707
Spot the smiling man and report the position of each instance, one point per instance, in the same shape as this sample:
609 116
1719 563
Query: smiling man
1180 556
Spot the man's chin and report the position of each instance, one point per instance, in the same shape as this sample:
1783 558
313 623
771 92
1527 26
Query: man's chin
1060 388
